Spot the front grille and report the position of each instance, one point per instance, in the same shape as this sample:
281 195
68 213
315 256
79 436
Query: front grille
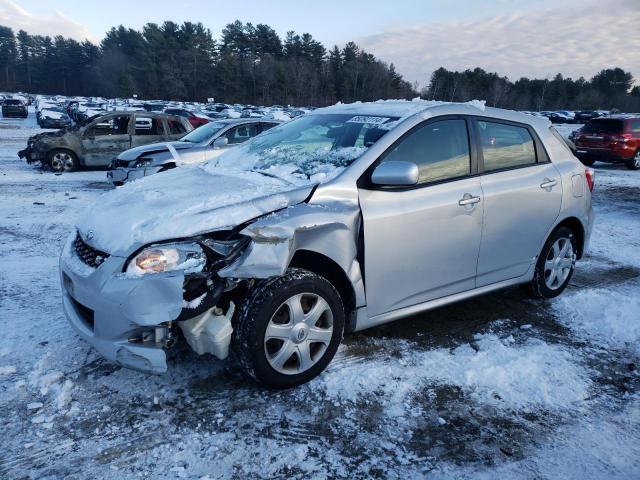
88 254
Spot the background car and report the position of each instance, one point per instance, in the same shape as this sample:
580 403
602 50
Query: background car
94 142
583 116
53 117
12 107
194 119
200 145
611 139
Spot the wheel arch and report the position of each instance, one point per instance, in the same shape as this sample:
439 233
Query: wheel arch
577 228
328 268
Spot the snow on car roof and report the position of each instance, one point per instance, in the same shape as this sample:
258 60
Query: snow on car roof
392 108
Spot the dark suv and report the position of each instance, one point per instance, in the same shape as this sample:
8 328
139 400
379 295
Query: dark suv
612 140
14 108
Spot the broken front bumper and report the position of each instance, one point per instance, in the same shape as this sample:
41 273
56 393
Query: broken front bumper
120 176
31 155
113 312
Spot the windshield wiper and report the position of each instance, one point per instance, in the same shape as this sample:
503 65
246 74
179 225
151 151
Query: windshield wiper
271 175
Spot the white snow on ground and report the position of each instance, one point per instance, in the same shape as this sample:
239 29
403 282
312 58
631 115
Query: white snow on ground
610 318
496 387
492 370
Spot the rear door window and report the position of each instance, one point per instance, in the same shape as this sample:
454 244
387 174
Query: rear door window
505 146
175 127
148 126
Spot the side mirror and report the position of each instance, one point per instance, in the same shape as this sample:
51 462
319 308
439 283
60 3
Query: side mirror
220 142
395 174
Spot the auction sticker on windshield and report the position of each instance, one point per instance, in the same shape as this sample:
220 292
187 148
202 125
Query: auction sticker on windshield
370 120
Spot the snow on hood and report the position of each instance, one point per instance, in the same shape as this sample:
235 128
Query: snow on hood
53 114
134 153
183 202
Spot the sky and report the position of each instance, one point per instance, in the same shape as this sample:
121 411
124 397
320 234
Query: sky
515 38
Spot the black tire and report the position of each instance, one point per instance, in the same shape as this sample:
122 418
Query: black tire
538 286
263 303
62 160
587 162
634 163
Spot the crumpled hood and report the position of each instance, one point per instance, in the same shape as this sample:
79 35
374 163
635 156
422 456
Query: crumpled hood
181 203
45 135
136 152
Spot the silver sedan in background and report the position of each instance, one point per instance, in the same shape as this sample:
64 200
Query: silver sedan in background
202 144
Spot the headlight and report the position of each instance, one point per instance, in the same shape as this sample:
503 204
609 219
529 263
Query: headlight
142 163
188 257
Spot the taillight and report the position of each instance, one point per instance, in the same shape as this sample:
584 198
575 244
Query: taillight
590 175
625 137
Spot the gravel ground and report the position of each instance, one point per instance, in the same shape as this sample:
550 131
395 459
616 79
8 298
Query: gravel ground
495 386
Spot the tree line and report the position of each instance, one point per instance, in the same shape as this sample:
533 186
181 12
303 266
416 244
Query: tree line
609 89
247 64
253 64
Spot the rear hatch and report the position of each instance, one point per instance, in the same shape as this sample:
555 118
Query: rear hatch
598 132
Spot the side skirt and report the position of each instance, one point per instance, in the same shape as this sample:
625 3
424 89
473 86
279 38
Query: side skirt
363 321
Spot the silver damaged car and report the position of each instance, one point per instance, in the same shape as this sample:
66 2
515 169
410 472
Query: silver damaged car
204 143
340 220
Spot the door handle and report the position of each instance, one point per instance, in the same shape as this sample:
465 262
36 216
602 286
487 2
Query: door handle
468 199
548 183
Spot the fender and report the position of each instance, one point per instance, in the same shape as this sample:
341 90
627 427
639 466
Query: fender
328 230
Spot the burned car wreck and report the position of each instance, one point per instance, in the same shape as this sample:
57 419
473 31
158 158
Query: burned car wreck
263 249
95 141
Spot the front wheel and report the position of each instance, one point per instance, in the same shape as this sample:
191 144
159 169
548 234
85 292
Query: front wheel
289 328
555 264
587 162
62 160
634 163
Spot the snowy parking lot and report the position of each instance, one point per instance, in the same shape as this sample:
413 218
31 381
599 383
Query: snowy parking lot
497 386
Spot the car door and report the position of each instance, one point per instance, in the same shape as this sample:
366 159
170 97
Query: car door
147 129
422 242
522 194
105 138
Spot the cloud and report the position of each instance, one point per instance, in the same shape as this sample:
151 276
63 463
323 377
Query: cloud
52 24
577 39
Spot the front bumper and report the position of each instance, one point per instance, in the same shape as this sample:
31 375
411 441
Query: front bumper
108 309
31 155
121 175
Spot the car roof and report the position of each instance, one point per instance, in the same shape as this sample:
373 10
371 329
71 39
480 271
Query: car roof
407 108
233 121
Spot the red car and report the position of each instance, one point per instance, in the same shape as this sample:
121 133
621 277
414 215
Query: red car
194 120
611 139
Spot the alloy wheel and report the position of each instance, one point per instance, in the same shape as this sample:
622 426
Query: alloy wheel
298 333
62 161
559 262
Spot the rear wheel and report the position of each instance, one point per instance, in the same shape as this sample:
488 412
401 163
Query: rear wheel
62 160
634 163
555 264
289 329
